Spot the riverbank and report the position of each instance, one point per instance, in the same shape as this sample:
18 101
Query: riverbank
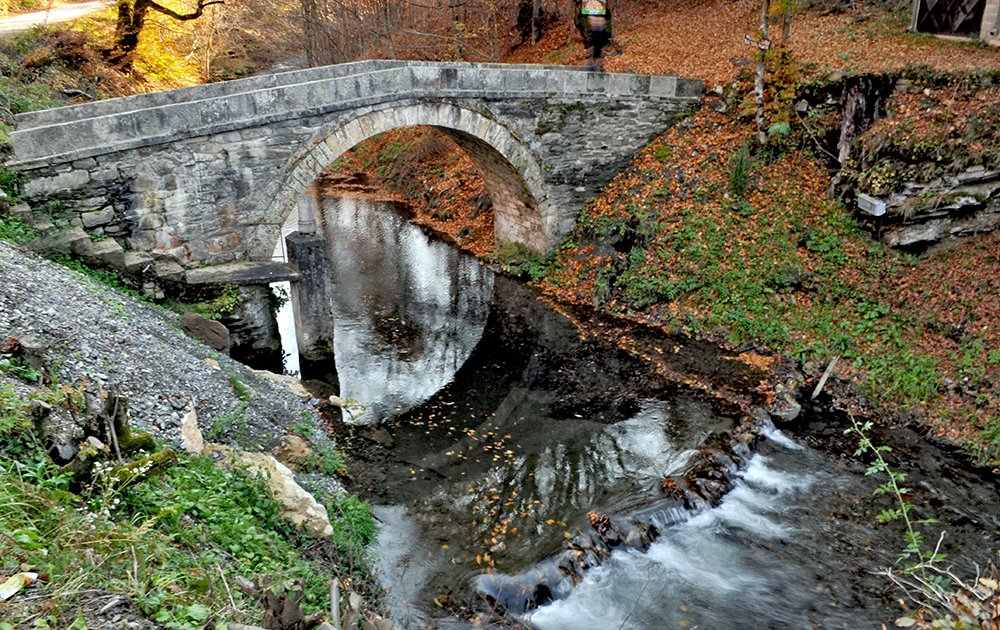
745 248
167 550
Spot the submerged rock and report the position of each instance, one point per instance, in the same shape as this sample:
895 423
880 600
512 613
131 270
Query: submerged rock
354 412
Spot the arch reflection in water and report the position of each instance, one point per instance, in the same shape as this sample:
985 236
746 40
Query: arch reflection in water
408 310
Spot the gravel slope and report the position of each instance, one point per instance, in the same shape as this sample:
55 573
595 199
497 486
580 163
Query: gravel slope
92 333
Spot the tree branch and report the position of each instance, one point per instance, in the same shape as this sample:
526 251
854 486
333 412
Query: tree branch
159 8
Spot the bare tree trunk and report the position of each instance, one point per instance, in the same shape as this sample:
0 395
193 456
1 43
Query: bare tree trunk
310 26
759 78
536 14
786 27
389 30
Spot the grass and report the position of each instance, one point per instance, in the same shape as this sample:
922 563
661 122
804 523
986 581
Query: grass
740 167
14 231
325 459
100 279
232 424
173 543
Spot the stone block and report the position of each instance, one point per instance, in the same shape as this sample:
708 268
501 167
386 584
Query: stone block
98 218
871 205
106 252
690 88
150 221
535 81
63 240
262 272
427 78
21 212
345 89
168 270
62 182
623 84
42 224
665 86
597 82
137 262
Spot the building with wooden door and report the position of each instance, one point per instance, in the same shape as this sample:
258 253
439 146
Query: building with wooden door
962 18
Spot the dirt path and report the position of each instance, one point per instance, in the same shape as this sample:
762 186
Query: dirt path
53 15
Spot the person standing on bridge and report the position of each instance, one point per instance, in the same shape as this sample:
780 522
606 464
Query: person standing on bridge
593 20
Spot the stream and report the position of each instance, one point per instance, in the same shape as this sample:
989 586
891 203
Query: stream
504 427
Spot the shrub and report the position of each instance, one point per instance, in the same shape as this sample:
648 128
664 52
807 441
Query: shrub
740 166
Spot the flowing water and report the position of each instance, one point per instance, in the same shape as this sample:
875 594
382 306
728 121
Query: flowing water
506 427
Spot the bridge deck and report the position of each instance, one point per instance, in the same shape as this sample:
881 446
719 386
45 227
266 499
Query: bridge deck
70 133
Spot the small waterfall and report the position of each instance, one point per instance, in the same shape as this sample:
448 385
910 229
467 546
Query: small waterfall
703 571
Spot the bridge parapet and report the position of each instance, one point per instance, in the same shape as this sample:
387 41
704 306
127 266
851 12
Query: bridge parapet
132 122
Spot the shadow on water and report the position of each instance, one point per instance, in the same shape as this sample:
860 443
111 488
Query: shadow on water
506 427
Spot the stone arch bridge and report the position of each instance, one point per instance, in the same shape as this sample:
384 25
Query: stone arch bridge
205 176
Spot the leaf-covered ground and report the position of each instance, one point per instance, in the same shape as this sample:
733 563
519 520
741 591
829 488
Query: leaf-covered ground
767 259
705 39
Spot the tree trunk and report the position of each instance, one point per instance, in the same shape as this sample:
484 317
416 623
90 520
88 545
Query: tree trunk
786 28
536 15
759 78
132 18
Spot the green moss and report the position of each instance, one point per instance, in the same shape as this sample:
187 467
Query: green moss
518 260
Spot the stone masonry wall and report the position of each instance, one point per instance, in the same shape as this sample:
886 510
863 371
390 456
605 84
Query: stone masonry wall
206 175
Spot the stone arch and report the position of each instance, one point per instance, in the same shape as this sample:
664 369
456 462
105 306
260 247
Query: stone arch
512 175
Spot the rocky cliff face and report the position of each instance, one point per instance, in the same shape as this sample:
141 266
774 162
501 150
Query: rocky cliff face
933 158
948 207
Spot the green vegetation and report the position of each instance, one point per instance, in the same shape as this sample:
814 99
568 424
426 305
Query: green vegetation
326 459
102 279
15 366
915 550
233 425
15 231
739 172
225 305
174 543
243 391
517 260
945 600
753 255
9 181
